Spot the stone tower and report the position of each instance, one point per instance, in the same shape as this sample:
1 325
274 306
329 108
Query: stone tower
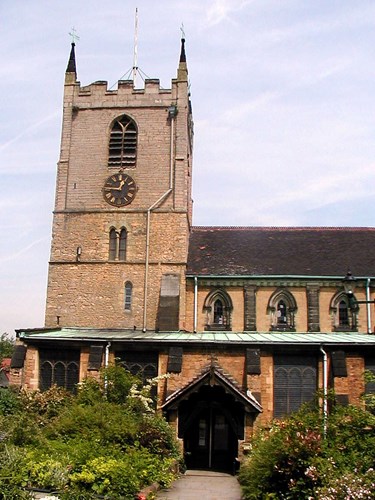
123 205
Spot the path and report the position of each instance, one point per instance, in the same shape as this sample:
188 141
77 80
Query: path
207 485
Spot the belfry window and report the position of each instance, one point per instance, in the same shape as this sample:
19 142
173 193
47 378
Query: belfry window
112 244
282 307
122 244
128 296
123 143
344 318
117 244
218 309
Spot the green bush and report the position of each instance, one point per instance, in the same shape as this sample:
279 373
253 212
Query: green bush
97 442
9 401
121 477
293 459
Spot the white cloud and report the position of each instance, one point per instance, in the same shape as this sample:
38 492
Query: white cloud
221 10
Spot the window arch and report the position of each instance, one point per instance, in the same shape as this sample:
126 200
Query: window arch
344 317
218 308
128 296
117 244
122 244
123 143
112 244
282 307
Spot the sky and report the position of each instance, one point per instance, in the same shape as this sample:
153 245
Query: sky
283 99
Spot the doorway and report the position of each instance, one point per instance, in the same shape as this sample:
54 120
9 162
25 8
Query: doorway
211 423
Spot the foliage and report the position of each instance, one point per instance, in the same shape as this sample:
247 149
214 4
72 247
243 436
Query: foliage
45 405
117 383
6 346
157 435
9 401
293 460
121 477
369 397
13 474
101 441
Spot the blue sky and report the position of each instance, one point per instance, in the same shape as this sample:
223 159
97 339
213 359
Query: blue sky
283 99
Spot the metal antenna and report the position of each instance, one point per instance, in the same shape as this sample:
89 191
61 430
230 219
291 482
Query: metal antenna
74 35
135 56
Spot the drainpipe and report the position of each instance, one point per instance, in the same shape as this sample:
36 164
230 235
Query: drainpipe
325 390
195 303
172 112
368 305
106 362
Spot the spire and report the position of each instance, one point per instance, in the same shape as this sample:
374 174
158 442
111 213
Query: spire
182 72
182 55
71 68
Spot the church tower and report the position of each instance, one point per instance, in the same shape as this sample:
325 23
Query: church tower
123 205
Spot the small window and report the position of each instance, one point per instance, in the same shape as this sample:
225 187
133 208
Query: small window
122 245
218 312
218 308
128 296
343 314
123 143
281 314
112 244
344 318
282 308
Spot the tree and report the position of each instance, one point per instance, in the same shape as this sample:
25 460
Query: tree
6 346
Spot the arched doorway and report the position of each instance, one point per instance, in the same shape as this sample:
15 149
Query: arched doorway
210 411
210 423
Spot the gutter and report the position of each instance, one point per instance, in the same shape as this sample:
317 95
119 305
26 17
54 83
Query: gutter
273 276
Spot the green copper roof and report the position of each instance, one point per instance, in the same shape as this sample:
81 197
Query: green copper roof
228 338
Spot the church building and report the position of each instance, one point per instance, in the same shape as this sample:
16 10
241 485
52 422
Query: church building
248 322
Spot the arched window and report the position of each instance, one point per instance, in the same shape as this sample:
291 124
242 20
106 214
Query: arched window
112 244
282 307
117 244
123 143
218 308
218 312
59 368
122 244
128 296
344 318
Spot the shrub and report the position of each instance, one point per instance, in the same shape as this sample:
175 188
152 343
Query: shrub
9 401
292 460
120 477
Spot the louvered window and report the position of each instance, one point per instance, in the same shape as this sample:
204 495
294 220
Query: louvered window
59 367
123 143
295 382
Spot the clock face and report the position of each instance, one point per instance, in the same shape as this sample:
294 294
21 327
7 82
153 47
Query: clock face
119 190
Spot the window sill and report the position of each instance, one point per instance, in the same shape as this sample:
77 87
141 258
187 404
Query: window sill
284 328
217 327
